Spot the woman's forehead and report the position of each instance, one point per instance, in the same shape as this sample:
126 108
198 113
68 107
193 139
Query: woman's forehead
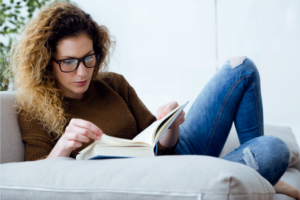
77 46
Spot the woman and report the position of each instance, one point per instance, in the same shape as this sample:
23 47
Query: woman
65 103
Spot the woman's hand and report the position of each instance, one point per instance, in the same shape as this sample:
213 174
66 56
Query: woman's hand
171 136
79 131
165 109
76 132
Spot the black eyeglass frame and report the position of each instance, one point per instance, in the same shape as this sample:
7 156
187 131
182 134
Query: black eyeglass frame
99 55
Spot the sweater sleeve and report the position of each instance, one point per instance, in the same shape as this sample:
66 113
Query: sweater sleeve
143 116
37 141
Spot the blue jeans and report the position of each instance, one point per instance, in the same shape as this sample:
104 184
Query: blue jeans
233 95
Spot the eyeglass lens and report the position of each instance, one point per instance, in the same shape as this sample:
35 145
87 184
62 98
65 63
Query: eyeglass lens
70 64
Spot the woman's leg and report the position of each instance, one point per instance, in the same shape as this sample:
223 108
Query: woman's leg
232 94
268 155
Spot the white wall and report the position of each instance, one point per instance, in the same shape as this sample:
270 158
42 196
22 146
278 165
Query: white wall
166 49
267 32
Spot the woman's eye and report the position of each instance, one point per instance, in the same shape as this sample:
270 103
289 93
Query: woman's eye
69 62
89 58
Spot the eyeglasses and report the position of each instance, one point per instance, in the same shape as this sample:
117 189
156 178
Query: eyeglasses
70 65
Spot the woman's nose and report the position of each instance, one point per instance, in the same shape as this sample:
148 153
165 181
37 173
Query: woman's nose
81 70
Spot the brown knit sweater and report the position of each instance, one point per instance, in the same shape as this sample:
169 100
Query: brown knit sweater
110 103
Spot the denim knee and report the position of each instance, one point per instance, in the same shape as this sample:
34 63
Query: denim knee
277 160
236 61
278 148
244 65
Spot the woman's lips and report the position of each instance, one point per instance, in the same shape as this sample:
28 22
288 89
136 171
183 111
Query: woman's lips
81 83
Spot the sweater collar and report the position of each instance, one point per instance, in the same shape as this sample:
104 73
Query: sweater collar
87 96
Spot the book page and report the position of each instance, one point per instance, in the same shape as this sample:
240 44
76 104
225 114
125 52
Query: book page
106 139
148 135
162 128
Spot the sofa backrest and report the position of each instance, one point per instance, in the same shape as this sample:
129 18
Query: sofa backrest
11 145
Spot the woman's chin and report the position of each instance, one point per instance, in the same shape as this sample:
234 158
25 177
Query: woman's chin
78 91
81 90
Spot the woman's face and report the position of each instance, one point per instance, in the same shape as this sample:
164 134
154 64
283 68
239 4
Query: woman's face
73 47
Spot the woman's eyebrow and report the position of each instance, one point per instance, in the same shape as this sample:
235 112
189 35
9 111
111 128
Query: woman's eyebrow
75 57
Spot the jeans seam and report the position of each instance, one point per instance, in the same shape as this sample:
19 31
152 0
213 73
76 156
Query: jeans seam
221 111
257 109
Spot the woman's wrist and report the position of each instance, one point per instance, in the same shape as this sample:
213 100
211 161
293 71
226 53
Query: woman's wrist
170 138
59 151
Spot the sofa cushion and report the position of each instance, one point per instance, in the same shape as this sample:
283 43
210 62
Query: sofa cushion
12 147
282 132
163 177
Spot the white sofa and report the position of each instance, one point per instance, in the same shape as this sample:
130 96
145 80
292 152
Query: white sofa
162 177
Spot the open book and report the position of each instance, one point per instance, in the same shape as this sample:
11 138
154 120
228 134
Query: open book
143 145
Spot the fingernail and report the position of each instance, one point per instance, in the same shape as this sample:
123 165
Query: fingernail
98 137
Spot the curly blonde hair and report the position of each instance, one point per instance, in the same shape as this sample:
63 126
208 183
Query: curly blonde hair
37 92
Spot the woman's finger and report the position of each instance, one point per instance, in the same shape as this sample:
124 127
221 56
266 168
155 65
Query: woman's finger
88 133
160 112
176 124
180 116
72 144
78 137
87 125
179 120
172 105
76 130
165 109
